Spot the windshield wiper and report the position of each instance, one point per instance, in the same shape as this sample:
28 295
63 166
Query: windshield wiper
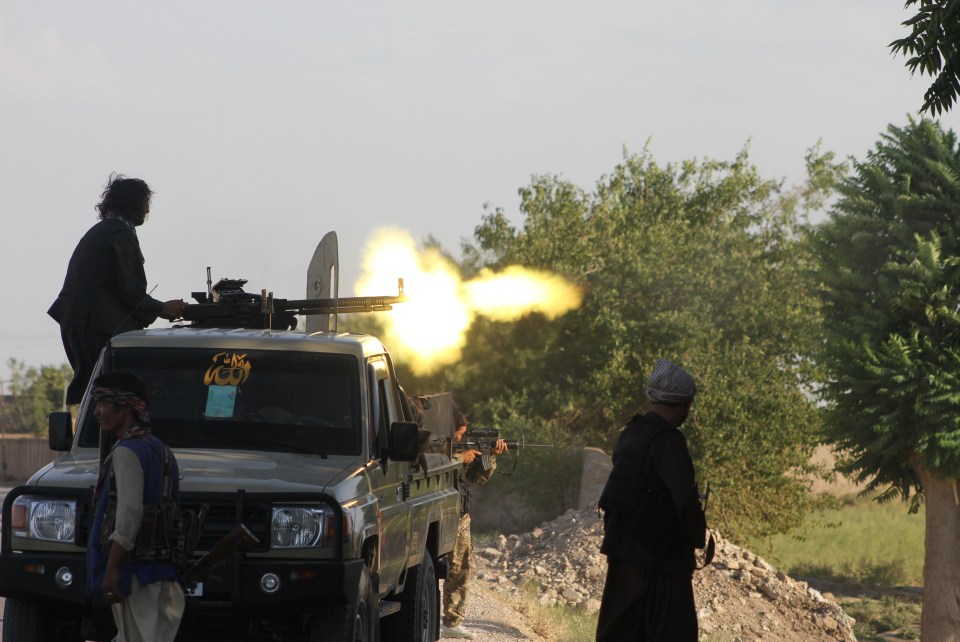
270 441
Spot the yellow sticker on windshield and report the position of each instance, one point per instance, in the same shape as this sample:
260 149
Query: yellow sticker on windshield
228 369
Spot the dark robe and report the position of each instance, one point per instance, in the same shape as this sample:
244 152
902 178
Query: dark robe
652 524
104 294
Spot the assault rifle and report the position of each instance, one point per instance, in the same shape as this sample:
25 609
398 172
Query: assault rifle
239 540
711 548
484 439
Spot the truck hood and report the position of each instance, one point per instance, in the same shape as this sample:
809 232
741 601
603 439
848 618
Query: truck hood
220 471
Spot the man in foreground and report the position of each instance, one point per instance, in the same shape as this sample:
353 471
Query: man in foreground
105 289
653 521
129 552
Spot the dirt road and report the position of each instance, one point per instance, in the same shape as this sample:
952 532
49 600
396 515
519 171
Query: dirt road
492 619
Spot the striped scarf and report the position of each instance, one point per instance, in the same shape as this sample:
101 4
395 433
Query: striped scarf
124 398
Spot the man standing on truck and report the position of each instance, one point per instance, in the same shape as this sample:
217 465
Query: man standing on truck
105 290
652 521
129 558
455 586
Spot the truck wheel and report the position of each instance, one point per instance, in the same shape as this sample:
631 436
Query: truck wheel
419 616
349 623
22 622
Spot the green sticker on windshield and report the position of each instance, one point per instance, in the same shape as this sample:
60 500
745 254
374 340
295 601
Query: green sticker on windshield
220 401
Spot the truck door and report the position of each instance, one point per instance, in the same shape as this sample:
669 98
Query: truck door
389 480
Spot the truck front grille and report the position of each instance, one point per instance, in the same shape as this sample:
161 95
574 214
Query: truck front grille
222 517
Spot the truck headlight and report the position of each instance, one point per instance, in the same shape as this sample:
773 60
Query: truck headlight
295 527
52 520
303 526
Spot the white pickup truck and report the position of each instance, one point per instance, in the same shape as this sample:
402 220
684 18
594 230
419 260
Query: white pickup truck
307 439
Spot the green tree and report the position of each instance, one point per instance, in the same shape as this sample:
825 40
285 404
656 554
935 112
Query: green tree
702 262
34 393
891 282
933 47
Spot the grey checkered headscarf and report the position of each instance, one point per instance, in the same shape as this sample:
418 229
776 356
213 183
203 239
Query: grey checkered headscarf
670 383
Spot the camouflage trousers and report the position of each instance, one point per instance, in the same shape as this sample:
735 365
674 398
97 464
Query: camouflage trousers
455 586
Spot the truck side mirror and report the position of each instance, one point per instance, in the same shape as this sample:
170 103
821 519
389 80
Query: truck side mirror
403 441
60 434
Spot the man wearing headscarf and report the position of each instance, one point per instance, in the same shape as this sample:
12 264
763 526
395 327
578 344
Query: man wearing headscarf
653 521
128 566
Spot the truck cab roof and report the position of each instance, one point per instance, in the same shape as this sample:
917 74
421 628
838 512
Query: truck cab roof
360 345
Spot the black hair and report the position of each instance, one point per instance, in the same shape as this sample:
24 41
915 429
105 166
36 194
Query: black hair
126 197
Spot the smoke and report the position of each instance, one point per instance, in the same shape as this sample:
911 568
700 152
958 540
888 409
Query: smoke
429 330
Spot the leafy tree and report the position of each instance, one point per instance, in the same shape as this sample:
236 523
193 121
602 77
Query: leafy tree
890 255
702 262
35 393
934 48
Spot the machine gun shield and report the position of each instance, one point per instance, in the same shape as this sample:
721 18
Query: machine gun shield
323 282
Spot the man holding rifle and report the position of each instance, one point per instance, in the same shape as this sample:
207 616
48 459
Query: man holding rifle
455 586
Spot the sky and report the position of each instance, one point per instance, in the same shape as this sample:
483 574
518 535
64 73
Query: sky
261 126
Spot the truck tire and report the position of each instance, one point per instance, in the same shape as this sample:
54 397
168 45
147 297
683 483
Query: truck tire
349 623
22 621
419 616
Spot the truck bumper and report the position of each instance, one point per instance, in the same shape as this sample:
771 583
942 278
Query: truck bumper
300 585
33 577
279 585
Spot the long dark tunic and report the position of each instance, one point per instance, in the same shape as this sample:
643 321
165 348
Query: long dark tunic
652 524
104 293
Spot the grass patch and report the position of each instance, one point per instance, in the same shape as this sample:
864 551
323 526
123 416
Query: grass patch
570 624
555 623
861 542
886 614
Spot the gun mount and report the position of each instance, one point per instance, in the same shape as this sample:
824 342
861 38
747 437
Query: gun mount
227 305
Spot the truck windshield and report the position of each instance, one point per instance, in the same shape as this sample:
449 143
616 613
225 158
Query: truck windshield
251 400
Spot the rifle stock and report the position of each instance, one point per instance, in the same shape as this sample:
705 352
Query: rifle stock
239 540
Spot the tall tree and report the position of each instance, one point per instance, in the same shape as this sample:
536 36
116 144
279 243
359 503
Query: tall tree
34 393
702 262
933 47
890 256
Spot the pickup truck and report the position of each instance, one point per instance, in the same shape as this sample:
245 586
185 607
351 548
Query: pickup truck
307 439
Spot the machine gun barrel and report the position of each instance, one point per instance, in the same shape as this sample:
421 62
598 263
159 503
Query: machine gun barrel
343 305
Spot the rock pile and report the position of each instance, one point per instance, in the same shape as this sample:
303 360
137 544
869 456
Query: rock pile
740 597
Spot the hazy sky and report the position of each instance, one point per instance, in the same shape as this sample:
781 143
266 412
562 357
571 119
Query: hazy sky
260 126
